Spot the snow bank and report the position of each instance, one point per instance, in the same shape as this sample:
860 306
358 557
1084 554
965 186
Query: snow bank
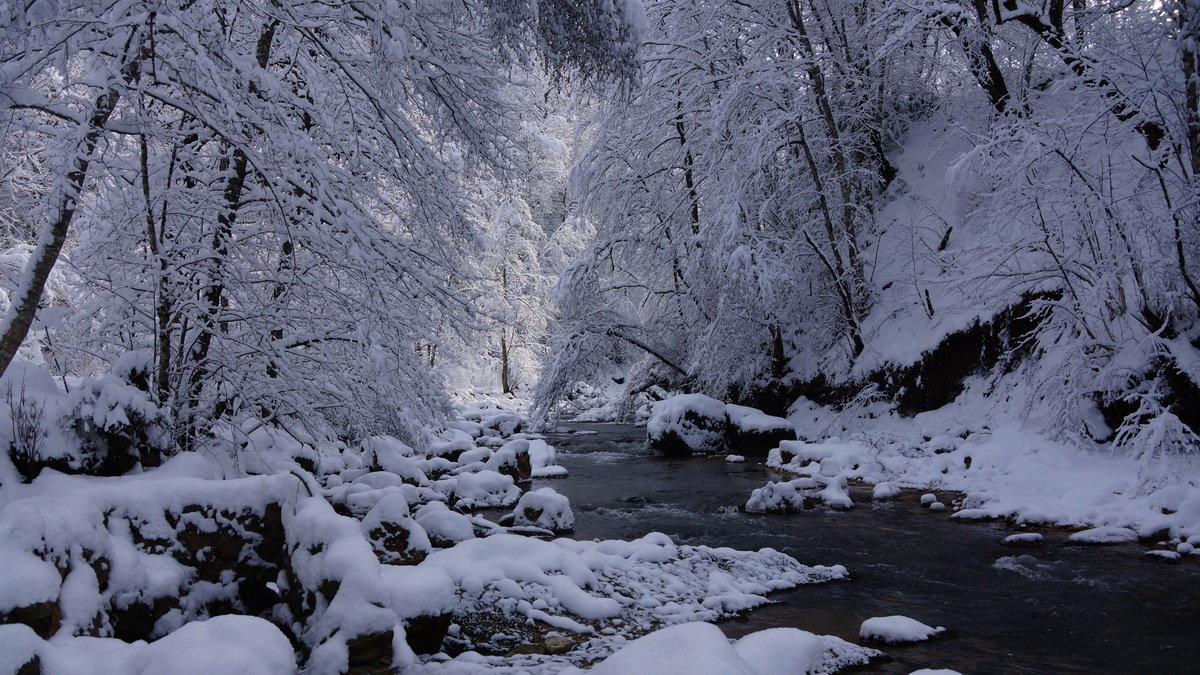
1006 470
629 586
897 629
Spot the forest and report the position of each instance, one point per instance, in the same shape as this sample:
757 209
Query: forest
613 336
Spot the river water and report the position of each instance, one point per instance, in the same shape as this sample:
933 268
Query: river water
1052 609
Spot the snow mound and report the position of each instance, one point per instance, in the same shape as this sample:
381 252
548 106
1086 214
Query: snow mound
735 459
1104 535
702 649
885 490
896 629
231 643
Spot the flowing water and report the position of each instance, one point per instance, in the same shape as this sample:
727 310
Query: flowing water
1051 609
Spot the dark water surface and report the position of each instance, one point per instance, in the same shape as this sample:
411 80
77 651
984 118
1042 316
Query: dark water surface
1067 609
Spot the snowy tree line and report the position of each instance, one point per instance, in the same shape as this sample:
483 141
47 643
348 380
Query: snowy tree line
805 195
273 206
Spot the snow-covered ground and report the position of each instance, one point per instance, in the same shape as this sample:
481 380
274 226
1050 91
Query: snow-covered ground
985 463
371 556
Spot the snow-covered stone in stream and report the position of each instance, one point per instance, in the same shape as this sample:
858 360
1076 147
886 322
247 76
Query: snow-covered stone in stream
512 459
1024 539
546 509
443 526
782 497
753 432
688 423
896 629
935 671
1185 548
885 490
1103 535
801 493
928 498
544 461
484 489
735 459
1164 556
937 506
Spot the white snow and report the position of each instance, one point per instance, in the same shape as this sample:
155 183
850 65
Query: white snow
1104 535
896 629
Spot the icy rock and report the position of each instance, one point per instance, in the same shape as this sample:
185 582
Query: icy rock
1185 548
937 506
897 629
395 536
689 423
1024 539
1163 556
443 526
928 498
735 459
753 432
546 509
1103 535
885 491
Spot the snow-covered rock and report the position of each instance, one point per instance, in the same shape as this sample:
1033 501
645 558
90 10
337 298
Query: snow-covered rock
896 629
544 461
885 490
1024 539
443 526
688 423
753 432
546 509
395 536
1103 535
484 489
735 459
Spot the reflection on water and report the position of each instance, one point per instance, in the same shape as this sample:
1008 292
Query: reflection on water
1044 610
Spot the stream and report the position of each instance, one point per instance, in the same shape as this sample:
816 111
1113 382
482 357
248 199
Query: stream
1051 609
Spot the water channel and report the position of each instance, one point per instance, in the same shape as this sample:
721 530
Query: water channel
1052 609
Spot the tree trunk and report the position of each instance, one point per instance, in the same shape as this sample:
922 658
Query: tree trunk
25 299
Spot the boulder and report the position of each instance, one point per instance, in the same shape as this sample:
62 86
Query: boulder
689 423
